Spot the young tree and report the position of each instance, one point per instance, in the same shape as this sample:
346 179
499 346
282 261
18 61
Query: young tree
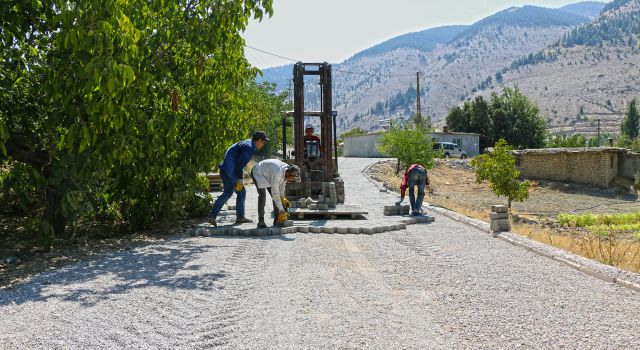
499 168
409 146
631 122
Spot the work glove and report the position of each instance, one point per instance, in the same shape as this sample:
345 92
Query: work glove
282 217
285 203
239 186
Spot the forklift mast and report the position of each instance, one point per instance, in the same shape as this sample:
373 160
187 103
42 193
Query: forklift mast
327 128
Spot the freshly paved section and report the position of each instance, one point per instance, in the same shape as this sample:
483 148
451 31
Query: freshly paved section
442 285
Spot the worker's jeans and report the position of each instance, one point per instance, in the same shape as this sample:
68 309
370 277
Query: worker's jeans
262 200
417 177
228 188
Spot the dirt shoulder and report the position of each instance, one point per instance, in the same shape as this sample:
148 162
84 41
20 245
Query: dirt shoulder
453 186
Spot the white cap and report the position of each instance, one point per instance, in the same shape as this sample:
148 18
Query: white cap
309 126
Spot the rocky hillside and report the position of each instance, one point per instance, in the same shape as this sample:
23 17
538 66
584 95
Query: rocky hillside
590 74
455 63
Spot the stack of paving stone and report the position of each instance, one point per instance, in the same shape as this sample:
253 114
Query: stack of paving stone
330 194
499 218
392 210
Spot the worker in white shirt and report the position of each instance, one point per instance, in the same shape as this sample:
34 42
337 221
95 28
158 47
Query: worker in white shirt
272 175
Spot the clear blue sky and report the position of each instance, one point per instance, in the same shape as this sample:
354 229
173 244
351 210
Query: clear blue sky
334 30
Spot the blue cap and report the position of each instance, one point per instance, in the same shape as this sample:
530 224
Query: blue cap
260 135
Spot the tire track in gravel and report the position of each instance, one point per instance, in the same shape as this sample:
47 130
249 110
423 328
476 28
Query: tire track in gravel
242 268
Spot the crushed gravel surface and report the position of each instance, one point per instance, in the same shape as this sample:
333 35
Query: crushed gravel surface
442 285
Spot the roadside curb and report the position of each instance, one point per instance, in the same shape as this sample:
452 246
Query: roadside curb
587 266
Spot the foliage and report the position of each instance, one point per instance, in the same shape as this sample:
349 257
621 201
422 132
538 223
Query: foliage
564 141
120 103
631 123
624 141
510 116
353 132
499 168
264 108
409 146
602 224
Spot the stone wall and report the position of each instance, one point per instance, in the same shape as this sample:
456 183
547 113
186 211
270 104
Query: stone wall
595 166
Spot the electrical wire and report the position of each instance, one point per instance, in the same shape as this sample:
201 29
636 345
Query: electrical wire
365 73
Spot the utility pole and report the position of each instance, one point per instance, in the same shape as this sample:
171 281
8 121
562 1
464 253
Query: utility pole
598 132
418 113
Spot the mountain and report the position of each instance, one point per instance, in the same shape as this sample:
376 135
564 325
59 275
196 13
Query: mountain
588 75
589 9
455 63
423 41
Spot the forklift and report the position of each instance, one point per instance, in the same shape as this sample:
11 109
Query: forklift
321 190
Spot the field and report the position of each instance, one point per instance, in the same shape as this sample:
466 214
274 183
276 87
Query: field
600 224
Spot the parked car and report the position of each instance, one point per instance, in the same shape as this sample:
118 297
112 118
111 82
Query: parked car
450 149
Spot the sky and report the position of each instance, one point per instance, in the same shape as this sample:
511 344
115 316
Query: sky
334 30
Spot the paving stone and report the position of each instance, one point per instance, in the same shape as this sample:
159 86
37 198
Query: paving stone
366 230
343 230
354 230
498 216
302 229
500 225
499 209
315 229
328 229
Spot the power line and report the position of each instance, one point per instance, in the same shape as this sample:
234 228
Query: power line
272 54
364 73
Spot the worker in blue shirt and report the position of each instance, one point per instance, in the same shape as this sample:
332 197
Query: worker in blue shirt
235 159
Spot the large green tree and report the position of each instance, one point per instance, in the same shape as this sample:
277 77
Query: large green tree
509 115
631 123
409 146
117 104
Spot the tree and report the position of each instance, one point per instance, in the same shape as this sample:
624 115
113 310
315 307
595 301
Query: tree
421 122
353 132
409 146
457 120
117 105
631 122
517 120
499 168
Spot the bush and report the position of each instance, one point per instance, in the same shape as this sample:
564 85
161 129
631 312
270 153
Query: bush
410 146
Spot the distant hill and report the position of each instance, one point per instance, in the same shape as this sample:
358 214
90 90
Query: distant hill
526 16
459 62
590 74
423 41
589 9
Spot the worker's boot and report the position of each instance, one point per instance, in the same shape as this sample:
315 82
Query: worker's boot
212 220
261 223
243 220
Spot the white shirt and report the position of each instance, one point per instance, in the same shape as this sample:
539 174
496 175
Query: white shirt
270 173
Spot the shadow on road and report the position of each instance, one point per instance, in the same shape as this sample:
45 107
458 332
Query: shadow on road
168 266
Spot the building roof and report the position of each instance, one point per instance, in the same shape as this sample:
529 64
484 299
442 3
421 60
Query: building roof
454 133
572 150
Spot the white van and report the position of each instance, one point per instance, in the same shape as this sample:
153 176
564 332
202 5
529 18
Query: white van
450 149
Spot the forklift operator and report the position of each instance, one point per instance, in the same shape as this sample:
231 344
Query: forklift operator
310 137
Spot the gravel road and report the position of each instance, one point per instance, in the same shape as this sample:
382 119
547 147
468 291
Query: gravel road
442 285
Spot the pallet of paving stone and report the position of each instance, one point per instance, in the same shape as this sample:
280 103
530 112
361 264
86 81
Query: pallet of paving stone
215 182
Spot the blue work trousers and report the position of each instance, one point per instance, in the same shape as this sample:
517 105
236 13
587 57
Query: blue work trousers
228 188
417 177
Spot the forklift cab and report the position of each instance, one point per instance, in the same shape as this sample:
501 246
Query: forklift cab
318 163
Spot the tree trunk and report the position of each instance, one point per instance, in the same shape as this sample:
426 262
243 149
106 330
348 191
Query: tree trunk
41 160
53 214
509 203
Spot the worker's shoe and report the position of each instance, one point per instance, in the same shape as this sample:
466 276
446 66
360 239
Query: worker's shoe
243 221
416 213
212 221
261 224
